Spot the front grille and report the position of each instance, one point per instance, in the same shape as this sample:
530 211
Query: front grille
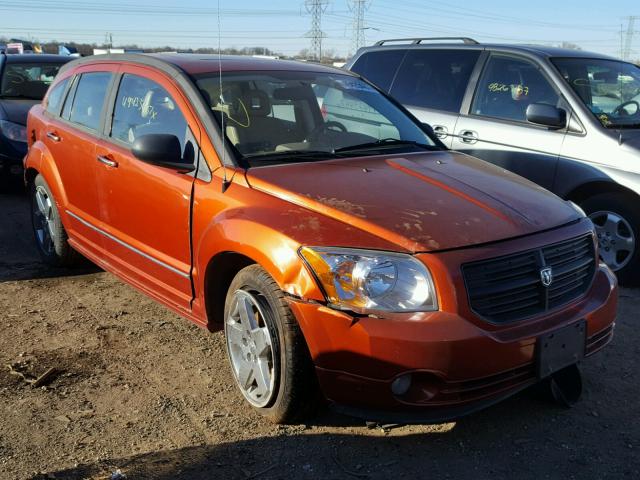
510 288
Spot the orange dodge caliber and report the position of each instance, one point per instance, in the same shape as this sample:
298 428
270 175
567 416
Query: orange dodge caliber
346 253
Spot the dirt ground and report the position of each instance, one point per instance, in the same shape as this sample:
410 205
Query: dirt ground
142 393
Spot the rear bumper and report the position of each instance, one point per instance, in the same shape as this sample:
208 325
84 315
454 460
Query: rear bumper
456 366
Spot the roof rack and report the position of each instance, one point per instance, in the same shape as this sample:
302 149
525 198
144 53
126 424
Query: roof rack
418 41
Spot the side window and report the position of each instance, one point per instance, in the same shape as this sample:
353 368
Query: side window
89 99
56 96
143 107
434 79
379 67
508 86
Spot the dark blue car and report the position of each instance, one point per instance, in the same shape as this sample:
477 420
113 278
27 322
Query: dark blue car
24 79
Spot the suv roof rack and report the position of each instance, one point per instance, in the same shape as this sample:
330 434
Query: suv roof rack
418 41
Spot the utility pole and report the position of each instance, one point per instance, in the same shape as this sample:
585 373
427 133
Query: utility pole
316 8
358 7
626 51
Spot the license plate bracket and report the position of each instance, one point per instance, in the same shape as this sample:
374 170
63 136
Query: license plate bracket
560 348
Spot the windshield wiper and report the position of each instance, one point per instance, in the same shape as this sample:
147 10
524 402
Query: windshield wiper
383 143
296 155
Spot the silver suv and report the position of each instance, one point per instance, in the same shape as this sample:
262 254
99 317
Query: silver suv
568 120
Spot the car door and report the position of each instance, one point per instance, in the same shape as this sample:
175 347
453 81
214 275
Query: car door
495 128
146 208
432 83
71 139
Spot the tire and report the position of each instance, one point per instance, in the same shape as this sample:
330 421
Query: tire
618 228
50 235
293 392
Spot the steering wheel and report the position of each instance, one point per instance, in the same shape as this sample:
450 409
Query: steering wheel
331 125
621 112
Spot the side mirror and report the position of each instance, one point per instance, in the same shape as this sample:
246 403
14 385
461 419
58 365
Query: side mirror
546 115
161 149
428 128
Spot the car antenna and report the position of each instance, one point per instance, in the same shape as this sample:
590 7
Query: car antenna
225 181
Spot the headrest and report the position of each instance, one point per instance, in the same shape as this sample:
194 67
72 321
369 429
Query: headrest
257 103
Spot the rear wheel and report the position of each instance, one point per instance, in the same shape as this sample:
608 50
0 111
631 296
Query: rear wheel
51 237
269 358
617 225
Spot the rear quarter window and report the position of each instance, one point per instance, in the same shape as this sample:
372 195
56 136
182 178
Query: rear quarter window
379 67
56 97
435 79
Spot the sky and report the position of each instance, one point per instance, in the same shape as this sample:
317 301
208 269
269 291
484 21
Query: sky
281 25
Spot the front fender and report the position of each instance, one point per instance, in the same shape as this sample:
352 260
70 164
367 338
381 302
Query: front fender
267 246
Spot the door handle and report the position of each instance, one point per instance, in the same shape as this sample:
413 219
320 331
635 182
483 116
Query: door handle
468 136
107 161
53 136
441 131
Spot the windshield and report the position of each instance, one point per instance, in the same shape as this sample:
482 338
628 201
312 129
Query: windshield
307 116
27 80
609 88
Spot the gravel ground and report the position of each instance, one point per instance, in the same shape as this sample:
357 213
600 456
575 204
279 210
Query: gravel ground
142 393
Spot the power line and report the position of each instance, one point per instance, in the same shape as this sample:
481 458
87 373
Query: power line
316 8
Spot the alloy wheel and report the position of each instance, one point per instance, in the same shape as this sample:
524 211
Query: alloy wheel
43 216
616 238
250 347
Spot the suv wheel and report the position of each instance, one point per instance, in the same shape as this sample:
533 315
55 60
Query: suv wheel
269 358
618 230
51 237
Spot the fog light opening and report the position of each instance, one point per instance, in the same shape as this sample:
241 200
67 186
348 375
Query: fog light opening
401 385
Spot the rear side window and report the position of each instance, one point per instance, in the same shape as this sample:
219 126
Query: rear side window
434 79
56 96
508 86
379 67
89 99
143 107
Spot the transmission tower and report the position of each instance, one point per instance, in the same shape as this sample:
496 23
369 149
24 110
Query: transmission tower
628 41
358 7
316 8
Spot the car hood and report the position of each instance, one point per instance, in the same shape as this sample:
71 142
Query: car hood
420 202
16 110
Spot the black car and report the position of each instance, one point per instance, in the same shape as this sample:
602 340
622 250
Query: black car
24 79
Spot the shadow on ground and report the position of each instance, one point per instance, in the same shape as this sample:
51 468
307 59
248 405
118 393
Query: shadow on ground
526 437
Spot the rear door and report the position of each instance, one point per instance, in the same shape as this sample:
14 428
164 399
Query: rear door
495 128
146 209
71 138
432 83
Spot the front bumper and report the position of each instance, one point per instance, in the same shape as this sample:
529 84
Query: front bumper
457 362
11 158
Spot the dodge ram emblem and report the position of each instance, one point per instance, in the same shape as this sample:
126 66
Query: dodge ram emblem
546 275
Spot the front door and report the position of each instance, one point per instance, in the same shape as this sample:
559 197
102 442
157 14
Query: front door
496 129
146 207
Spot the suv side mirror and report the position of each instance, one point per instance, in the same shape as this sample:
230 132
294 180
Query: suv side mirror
161 149
546 115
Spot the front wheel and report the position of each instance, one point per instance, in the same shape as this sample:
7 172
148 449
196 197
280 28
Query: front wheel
617 225
269 358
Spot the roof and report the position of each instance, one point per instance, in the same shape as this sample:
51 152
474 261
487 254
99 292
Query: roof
194 64
537 50
37 58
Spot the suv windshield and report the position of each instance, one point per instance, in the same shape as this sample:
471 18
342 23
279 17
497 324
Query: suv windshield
27 80
306 116
609 88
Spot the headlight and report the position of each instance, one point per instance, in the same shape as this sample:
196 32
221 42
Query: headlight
13 131
364 280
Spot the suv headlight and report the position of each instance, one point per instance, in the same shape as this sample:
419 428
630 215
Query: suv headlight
13 131
369 281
